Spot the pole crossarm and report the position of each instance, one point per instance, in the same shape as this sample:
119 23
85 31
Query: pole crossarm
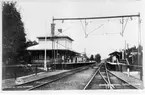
106 17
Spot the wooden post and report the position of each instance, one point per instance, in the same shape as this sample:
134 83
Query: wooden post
128 70
52 34
45 62
139 44
36 70
45 54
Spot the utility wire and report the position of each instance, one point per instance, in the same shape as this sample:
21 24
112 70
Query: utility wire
83 27
124 26
62 45
94 30
86 35
106 33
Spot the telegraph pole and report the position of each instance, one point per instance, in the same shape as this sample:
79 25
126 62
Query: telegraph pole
45 60
139 45
52 34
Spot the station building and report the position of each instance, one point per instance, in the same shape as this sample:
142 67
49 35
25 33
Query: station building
121 61
58 49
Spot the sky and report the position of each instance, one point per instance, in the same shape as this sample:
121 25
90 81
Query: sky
37 17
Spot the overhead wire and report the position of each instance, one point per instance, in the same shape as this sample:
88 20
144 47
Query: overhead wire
124 27
86 35
95 29
83 27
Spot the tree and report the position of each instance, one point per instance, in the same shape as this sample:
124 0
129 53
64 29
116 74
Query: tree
13 36
98 58
92 57
31 43
86 57
140 48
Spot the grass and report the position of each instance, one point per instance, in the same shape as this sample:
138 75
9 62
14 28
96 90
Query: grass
13 72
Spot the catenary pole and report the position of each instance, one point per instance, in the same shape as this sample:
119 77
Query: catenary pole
45 60
139 47
110 17
52 34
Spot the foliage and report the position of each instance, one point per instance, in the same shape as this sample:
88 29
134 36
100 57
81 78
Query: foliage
92 58
85 56
31 43
13 36
98 58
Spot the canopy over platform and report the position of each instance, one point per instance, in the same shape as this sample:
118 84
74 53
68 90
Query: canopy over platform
56 37
56 51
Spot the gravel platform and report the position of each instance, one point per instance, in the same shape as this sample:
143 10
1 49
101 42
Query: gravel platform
129 79
119 84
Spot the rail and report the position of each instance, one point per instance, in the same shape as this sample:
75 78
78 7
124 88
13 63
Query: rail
107 79
57 77
91 78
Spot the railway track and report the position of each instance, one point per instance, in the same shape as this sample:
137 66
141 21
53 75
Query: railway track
104 79
44 81
99 78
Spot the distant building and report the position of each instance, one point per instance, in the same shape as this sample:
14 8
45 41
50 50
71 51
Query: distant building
60 51
130 58
114 56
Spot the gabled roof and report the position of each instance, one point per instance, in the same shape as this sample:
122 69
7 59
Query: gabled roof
115 53
40 47
56 37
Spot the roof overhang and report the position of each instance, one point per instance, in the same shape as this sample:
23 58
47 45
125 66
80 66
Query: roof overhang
57 50
56 37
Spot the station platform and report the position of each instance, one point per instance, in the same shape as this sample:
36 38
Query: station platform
8 83
137 83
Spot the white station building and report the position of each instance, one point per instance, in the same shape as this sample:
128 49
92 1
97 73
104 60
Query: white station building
56 48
